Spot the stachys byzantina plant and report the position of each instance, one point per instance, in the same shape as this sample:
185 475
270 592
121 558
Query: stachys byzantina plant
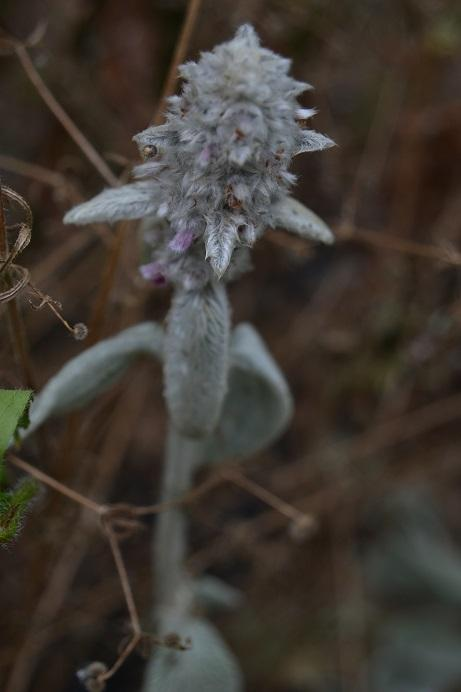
217 170
214 177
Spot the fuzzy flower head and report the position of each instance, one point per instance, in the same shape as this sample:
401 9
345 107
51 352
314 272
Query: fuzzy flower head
216 173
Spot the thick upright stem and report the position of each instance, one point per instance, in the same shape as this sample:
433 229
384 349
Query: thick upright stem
183 455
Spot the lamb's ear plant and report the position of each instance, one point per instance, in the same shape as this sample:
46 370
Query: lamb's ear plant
214 177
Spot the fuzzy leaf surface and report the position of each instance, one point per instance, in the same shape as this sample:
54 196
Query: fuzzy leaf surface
293 216
258 404
213 594
311 140
132 201
208 666
14 505
92 372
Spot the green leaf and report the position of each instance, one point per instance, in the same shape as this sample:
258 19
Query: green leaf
13 404
14 504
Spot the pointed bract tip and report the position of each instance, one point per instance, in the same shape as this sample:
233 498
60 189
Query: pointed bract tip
219 265
219 247
292 215
313 141
68 217
247 33
329 143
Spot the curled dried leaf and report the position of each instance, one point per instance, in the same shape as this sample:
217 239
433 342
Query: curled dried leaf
14 278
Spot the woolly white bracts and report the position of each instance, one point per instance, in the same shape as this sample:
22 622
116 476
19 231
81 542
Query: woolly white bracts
215 175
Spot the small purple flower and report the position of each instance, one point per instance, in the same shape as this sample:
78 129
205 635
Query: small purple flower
217 173
182 241
205 156
154 272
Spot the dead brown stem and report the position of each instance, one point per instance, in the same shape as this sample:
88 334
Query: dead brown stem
386 241
306 521
18 334
20 344
58 111
188 498
377 143
34 171
382 436
56 485
182 44
96 322
129 600
76 545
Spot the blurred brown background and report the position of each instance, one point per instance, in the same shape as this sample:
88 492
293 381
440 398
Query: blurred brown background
367 332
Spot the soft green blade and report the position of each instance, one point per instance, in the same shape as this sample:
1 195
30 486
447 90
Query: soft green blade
13 403
14 502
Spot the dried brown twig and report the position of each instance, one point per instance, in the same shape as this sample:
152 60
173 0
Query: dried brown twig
19 48
182 45
75 545
34 171
14 279
388 241
119 514
302 523
96 322
114 517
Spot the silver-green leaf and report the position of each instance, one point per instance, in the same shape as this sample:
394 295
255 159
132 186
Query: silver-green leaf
132 201
214 594
311 140
293 216
258 405
207 666
92 372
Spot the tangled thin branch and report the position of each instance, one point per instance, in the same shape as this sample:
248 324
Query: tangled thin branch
14 278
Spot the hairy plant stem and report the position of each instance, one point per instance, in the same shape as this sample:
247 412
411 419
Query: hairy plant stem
183 456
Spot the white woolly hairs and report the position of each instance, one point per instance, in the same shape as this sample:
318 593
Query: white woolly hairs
217 171
93 371
197 359
258 404
208 666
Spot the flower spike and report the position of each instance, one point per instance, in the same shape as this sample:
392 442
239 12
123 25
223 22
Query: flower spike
216 173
